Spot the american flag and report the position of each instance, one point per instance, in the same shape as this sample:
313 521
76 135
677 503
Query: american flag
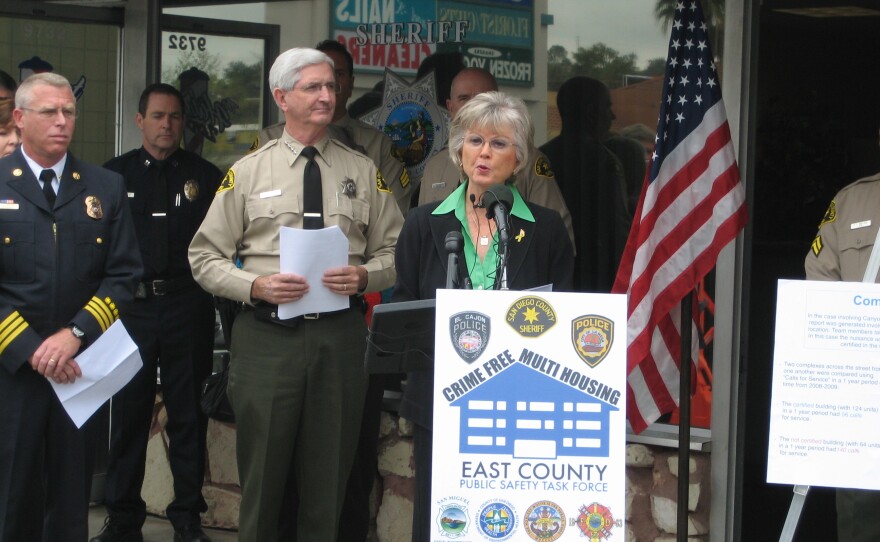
691 207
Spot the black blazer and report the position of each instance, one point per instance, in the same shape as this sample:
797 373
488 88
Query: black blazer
542 256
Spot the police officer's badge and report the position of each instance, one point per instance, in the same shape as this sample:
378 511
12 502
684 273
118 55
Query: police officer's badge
542 167
93 207
191 190
531 316
469 332
592 336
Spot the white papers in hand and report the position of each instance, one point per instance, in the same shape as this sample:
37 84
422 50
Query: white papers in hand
309 253
107 365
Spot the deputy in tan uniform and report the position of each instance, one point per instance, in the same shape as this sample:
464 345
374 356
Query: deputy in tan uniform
840 251
354 133
296 386
535 183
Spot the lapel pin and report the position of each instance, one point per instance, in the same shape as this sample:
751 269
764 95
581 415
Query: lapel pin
17 172
522 233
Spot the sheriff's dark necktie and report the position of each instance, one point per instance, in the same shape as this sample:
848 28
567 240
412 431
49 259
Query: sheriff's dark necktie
159 209
313 208
46 176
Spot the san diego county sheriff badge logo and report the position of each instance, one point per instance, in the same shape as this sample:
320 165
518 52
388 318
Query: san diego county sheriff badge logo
531 316
469 332
409 115
592 336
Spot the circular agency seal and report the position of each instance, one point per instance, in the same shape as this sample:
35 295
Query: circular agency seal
409 115
453 518
497 520
544 521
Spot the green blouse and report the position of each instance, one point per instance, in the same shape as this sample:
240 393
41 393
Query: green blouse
482 274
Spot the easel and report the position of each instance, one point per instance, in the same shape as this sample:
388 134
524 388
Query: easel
800 492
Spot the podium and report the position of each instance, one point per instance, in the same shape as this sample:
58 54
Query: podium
401 337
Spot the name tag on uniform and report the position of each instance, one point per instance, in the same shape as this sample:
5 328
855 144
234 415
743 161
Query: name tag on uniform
158 214
270 194
8 204
857 225
131 194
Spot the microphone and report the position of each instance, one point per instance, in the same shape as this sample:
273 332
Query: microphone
454 244
498 200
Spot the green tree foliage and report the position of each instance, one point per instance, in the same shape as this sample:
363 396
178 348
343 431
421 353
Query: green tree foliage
598 61
713 14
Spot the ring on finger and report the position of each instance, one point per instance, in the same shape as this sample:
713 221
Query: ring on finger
52 361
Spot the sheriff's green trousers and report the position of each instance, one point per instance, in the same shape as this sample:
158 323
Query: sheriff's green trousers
297 394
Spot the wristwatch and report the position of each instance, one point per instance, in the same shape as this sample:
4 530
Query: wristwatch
77 332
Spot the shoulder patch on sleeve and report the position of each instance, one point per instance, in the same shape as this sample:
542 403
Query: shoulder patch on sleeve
228 182
404 178
830 215
381 185
816 246
255 145
542 167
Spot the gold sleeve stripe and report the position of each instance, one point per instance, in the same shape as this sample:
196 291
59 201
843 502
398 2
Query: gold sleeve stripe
10 328
103 310
816 246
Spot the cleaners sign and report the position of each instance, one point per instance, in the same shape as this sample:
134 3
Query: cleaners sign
531 435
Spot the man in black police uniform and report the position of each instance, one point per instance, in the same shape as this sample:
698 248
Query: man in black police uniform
67 268
171 320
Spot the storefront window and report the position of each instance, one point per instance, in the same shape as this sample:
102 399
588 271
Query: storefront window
88 55
624 44
222 81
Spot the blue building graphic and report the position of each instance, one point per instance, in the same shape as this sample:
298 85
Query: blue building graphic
527 414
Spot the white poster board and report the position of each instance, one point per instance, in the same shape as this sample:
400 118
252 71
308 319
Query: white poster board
825 408
529 416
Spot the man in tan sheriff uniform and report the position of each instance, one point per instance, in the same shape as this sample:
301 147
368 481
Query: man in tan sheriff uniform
840 251
354 133
296 386
535 183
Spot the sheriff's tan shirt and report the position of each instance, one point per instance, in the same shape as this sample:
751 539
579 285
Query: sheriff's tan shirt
263 191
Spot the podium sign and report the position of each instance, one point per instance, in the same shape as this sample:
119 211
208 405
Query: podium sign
825 408
529 416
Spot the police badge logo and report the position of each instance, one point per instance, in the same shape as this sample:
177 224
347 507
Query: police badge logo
592 336
470 334
531 316
93 207
595 521
191 190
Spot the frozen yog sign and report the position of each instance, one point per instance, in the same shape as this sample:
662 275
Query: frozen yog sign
826 386
393 34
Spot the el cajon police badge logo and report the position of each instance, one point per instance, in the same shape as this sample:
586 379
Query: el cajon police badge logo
469 332
592 336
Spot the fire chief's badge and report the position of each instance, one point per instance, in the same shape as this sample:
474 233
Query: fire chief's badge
469 332
592 336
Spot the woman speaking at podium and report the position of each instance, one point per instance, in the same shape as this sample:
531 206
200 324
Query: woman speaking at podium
499 240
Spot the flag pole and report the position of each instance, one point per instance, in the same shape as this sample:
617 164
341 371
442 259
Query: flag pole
684 418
